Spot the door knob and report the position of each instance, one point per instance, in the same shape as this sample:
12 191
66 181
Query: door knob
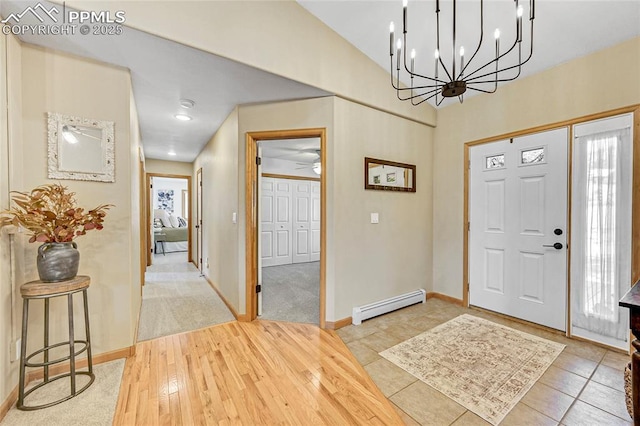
557 231
556 246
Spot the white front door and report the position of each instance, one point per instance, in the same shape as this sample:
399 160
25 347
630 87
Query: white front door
517 212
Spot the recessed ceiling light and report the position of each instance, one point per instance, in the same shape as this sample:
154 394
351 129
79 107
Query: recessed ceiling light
172 153
183 117
187 103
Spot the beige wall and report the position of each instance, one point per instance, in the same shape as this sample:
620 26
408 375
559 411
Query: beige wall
219 163
599 82
259 33
372 262
168 167
10 105
364 262
69 85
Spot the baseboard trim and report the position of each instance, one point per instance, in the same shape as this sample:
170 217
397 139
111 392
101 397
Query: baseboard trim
54 370
335 325
454 300
8 403
241 317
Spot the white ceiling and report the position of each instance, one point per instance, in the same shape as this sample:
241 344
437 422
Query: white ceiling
304 150
162 73
563 29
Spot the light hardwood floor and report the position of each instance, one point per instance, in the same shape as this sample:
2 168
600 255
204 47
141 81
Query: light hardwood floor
249 373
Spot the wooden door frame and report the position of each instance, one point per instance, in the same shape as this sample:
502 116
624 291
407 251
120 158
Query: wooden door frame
150 208
199 243
251 212
144 236
635 208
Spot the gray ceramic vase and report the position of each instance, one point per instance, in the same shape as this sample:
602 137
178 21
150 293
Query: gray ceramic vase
58 261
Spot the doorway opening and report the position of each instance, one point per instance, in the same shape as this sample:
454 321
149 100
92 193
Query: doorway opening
286 235
168 222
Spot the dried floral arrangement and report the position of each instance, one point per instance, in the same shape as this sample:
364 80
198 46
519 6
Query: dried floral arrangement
50 214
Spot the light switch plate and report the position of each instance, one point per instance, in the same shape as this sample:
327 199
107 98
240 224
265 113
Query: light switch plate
234 217
375 218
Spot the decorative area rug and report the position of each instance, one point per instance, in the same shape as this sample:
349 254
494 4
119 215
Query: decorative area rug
483 366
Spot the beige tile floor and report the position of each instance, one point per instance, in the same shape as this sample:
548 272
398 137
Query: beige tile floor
584 386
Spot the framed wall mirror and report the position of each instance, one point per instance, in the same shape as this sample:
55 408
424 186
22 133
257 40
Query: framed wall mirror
80 148
389 176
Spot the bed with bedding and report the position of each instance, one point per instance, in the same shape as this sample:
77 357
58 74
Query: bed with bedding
175 230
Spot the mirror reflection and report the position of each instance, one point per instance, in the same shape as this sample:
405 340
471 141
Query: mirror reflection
389 175
81 148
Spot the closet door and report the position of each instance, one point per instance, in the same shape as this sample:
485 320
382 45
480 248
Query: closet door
301 221
267 222
283 223
275 208
315 222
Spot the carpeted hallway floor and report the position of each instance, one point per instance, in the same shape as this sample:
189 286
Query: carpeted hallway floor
291 293
176 298
95 406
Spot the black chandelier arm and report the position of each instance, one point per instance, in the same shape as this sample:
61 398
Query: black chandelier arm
432 92
520 64
479 42
430 87
438 40
482 90
426 77
469 78
414 74
515 43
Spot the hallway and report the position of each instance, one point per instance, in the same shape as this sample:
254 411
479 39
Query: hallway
176 299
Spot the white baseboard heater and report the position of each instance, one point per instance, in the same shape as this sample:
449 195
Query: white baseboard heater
361 313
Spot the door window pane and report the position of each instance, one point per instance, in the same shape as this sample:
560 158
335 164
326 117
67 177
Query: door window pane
532 156
495 162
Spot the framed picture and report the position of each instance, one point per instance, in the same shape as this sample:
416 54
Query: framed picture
391 177
385 175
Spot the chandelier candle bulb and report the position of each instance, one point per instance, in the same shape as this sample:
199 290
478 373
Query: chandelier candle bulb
519 14
436 55
404 16
413 59
391 38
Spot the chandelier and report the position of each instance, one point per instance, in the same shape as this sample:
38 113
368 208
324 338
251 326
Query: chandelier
452 78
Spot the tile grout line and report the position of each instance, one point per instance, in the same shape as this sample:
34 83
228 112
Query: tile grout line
577 398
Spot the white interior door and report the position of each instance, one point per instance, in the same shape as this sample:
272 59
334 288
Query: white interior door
315 222
267 221
301 221
276 223
517 213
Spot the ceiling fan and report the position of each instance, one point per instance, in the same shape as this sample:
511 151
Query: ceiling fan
69 133
316 166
